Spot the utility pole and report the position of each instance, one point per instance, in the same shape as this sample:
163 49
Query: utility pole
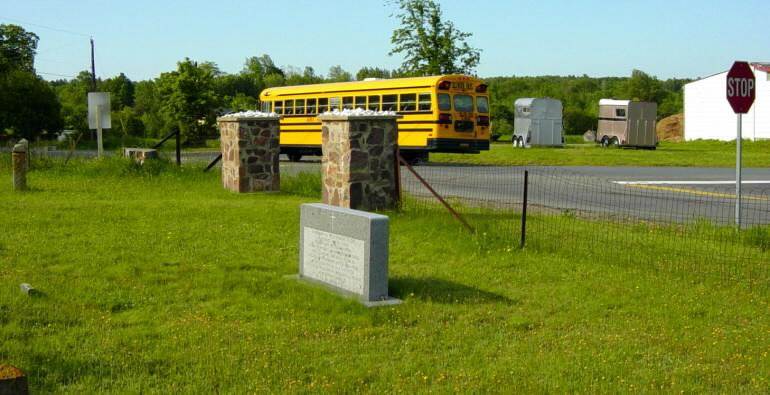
93 68
93 82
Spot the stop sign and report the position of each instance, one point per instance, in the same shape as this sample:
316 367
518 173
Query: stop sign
741 87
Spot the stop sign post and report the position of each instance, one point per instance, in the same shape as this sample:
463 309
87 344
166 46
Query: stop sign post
741 91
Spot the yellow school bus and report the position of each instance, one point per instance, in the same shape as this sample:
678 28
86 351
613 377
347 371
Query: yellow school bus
445 113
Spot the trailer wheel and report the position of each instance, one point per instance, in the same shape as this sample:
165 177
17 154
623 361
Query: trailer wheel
614 142
605 142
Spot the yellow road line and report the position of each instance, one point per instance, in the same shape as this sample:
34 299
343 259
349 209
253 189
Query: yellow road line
697 192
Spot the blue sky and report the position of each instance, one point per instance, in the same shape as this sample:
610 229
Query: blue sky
143 38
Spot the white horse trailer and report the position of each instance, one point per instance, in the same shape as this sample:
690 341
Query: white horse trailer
538 122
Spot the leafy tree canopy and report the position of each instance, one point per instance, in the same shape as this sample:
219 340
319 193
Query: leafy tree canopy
17 48
431 45
28 105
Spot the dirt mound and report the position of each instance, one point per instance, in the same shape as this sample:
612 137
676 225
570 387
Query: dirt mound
671 128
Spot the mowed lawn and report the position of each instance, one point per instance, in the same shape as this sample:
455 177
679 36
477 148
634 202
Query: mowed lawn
689 154
168 283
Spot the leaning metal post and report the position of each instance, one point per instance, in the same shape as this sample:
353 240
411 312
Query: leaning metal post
436 195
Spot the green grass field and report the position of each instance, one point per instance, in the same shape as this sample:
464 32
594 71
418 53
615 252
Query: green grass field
690 154
158 280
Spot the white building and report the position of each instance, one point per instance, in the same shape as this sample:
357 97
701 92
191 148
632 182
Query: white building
708 115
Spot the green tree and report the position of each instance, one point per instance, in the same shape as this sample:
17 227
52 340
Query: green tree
188 99
372 72
430 45
147 106
17 48
643 87
121 91
128 123
28 105
338 74
73 96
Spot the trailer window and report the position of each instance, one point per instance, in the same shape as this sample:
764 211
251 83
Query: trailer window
482 104
620 112
444 102
374 103
463 103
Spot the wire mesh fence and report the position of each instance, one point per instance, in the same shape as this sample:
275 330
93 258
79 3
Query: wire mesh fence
682 228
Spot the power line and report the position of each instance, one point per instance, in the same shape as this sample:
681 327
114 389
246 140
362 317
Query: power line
45 27
56 75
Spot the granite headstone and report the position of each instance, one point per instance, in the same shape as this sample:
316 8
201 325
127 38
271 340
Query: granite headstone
346 250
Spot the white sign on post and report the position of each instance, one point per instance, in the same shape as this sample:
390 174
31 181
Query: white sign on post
99 115
99 102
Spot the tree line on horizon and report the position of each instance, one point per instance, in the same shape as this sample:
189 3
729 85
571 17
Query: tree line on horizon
189 98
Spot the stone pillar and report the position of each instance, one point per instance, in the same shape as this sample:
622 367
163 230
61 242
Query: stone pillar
358 164
25 143
20 166
13 381
250 148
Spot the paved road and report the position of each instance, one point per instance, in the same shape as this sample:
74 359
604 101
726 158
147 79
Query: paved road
669 194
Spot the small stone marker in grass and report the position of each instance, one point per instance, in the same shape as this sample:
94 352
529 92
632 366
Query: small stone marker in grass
12 381
347 251
27 289
139 155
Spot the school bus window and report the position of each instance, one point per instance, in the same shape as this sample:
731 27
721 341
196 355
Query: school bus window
361 102
389 102
482 104
279 107
408 102
347 102
374 103
323 105
288 107
444 102
299 106
423 104
463 103
334 103
311 106
266 106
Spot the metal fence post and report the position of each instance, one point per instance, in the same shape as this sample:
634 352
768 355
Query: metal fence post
178 148
524 210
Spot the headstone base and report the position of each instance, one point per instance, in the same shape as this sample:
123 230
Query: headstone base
389 301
